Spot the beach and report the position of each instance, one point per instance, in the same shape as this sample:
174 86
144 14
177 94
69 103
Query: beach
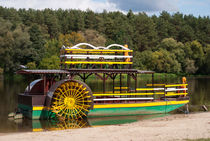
172 127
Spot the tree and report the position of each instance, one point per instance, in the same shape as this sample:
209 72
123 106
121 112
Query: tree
163 61
186 34
190 66
175 48
142 60
145 36
29 35
52 62
89 19
52 47
31 65
194 51
163 25
93 37
37 39
15 46
71 39
207 60
52 23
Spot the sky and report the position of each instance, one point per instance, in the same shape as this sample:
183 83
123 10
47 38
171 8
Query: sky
194 7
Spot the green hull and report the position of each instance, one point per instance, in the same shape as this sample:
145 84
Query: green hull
28 112
47 114
133 110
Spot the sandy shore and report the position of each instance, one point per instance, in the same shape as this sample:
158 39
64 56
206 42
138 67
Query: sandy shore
174 127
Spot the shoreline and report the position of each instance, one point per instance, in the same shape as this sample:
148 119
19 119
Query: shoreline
172 127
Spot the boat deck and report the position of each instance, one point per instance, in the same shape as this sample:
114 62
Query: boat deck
73 71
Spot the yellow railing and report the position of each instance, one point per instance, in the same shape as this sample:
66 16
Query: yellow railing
166 90
155 85
117 88
85 62
97 50
176 85
166 85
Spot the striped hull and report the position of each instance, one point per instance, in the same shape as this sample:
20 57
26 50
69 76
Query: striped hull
40 112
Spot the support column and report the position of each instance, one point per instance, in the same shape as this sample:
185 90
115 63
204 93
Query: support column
128 82
104 82
136 83
44 80
29 87
120 82
84 78
113 84
153 85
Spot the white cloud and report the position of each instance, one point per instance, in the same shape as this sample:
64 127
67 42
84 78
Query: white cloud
95 5
146 5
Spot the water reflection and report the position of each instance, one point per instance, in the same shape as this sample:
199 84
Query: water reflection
63 124
20 125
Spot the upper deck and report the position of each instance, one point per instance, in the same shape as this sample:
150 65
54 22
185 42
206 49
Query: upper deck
87 56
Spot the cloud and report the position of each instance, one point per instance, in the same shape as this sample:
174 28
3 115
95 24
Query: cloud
95 5
145 5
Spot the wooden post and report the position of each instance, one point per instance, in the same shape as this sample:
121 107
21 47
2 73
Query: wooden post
44 79
104 83
84 77
29 87
128 82
153 85
120 83
113 78
136 83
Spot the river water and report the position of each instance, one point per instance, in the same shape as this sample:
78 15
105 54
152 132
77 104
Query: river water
199 89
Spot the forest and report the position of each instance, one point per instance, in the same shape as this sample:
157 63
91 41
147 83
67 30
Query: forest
168 43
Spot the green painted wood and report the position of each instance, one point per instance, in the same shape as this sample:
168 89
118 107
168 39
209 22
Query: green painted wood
45 114
133 110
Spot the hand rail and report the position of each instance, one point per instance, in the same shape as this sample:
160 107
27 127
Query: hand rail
170 90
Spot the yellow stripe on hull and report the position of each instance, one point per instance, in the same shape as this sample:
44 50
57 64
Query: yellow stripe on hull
39 108
147 104
37 129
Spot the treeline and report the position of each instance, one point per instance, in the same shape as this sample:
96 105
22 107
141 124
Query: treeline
168 43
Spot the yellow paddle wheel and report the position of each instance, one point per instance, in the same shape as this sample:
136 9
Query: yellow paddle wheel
71 100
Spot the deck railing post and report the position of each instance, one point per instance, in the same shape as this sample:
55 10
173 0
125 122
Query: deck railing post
113 78
44 79
29 87
136 76
84 78
153 85
165 92
128 82
104 83
120 82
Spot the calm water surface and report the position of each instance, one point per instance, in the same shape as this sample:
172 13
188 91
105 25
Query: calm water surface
199 89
